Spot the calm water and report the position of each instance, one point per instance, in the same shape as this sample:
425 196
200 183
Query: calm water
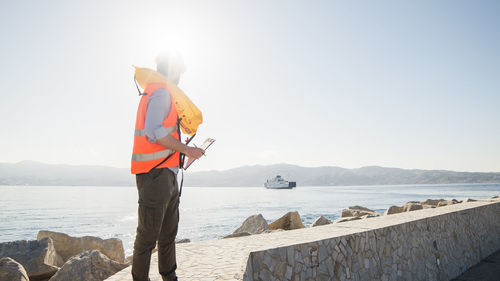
205 213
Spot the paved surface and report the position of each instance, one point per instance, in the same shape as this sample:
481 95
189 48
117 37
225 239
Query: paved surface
487 270
226 259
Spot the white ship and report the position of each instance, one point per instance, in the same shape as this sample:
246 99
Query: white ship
279 183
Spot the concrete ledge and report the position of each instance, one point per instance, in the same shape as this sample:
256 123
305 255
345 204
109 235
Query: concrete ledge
429 244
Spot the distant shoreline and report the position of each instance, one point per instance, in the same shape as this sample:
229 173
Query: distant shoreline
40 174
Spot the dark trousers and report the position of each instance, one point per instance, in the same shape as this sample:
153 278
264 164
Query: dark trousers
158 221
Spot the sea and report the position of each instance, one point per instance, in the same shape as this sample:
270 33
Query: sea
205 212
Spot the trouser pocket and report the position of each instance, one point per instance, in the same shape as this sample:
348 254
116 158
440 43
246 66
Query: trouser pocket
149 218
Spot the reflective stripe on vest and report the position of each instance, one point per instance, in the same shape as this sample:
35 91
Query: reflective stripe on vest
152 156
142 132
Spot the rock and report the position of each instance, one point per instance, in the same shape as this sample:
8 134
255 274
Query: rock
177 241
448 202
88 266
289 221
128 260
68 246
411 206
442 203
11 270
469 200
253 224
321 221
357 211
239 234
369 216
431 202
346 219
494 197
273 231
39 258
393 210
183 240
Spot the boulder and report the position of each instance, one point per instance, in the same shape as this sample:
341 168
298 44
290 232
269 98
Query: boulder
88 266
369 216
411 206
129 259
469 200
431 202
447 202
321 221
39 258
254 224
183 240
393 210
289 221
238 234
346 219
177 241
357 211
273 231
492 199
68 246
11 270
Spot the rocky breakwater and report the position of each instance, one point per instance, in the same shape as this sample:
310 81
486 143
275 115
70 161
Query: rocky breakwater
429 203
57 256
256 224
67 246
432 243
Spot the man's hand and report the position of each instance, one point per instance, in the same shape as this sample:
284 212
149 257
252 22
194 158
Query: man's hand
194 152
172 143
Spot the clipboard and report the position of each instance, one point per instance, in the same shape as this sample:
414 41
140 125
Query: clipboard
205 145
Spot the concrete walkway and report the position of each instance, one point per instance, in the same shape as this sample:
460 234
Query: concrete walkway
226 259
487 270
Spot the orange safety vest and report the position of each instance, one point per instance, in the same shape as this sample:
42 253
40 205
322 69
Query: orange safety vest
146 155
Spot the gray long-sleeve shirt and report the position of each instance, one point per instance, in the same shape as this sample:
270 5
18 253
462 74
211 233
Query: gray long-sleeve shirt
158 109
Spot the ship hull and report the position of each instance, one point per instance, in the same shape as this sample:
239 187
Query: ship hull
289 185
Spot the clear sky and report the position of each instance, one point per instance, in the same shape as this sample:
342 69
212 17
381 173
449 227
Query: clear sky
409 84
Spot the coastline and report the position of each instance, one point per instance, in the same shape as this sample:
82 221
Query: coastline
206 213
416 245
357 219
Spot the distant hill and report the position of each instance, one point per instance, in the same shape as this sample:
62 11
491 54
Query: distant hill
330 176
35 173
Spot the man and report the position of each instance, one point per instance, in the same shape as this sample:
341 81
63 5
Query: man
155 162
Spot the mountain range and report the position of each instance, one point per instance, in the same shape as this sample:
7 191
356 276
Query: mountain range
36 173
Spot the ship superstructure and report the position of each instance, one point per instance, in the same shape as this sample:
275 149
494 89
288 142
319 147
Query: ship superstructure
279 183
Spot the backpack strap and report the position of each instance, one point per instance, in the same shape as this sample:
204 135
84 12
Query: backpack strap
137 86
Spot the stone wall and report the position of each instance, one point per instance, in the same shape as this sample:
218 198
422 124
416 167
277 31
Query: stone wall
437 244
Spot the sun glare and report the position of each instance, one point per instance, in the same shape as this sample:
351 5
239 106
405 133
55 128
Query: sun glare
163 35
